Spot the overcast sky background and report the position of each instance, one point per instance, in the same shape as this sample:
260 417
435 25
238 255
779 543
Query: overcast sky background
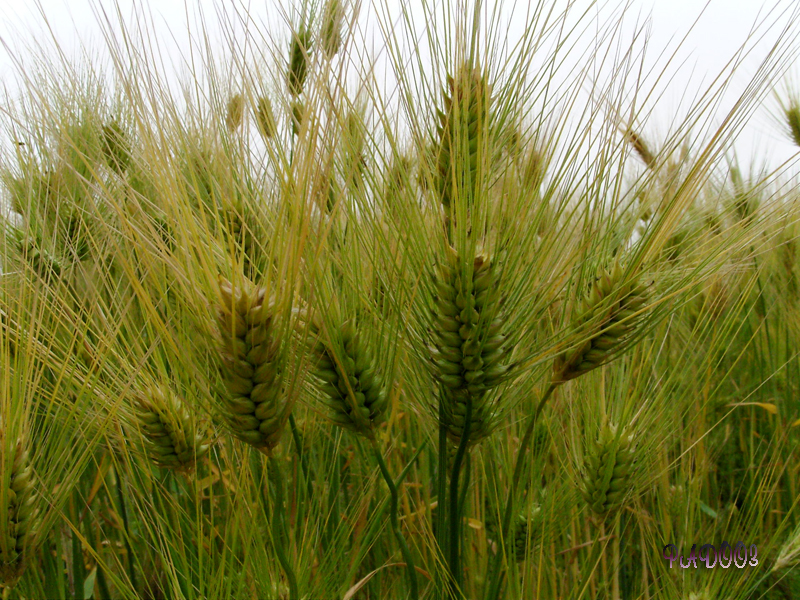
721 29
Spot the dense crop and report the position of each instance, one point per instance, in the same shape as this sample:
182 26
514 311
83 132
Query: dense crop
471 336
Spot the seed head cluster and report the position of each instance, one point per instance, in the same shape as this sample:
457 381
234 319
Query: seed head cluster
298 61
461 136
115 146
353 385
233 216
234 114
44 263
255 407
172 438
265 117
608 466
469 351
792 115
21 516
524 529
605 318
332 21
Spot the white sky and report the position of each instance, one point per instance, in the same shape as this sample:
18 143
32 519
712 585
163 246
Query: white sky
722 28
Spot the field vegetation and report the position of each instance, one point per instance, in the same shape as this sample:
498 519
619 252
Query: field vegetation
273 328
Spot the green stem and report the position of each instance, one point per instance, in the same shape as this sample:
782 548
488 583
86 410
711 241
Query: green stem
495 571
372 531
334 515
412 572
625 592
454 514
124 514
279 525
441 512
465 487
101 582
300 453
78 569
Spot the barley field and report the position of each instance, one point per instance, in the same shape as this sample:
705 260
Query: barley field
274 328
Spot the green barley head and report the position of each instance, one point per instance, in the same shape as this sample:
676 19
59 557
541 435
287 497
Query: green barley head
469 349
332 21
299 53
115 146
344 363
265 118
606 316
607 470
254 402
462 134
19 505
234 114
172 438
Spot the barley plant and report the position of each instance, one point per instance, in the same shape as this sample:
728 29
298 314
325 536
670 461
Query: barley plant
384 302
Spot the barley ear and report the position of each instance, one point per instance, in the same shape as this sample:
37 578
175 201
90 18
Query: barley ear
641 148
45 264
523 532
299 52
235 113
254 401
607 470
298 116
605 318
792 114
265 118
469 350
18 527
524 527
115 147
534 168
462 135
789 556
233 215
349 377
332 28
172 438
